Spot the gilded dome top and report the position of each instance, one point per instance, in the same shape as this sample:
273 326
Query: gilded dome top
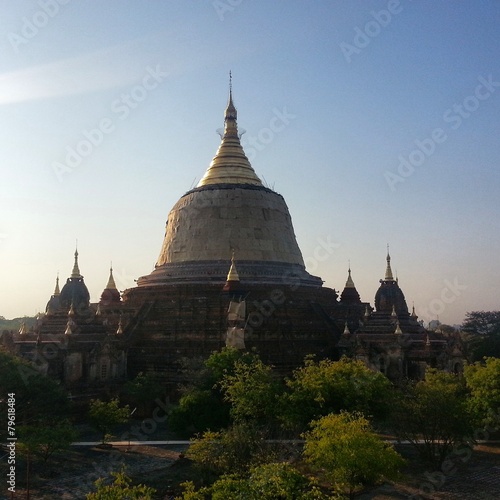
230 164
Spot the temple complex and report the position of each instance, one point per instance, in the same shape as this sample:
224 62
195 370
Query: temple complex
229 272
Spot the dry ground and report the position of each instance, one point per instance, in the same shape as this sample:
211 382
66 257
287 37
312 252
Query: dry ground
72 476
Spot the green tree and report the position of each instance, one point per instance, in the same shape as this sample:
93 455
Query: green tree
104 416
482 334
44 441
324 387
142 392
433 415
349 452
252 392
273 481
197 411
120 489
38 398
203 406
483 381
231 450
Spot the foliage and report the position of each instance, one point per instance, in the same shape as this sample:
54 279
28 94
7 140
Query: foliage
324 387
202 406
120 489
482 329
222 363
142 392
433 415
483 381
197 411
273 481
104 416
231 450
38 398
349 452
252 392
44 441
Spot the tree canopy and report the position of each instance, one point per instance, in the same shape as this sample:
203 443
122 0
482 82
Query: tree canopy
433 415
349 452
38 398
326 386
483 381
482 330
104 416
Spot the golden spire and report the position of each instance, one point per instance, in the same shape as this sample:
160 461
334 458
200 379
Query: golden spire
68 330
71 312
346 330
413 313
111 281
349 283
398 329
388 270
56 290
393 313
23 330
232 275
230 164
119 330
76 271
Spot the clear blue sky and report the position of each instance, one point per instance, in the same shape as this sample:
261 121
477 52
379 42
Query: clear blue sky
356 88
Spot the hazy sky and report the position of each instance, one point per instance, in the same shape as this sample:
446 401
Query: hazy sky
378 121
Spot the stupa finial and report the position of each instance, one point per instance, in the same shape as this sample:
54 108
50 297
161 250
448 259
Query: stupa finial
388 270
76 270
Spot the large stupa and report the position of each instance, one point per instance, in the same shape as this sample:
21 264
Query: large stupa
182 304
230 211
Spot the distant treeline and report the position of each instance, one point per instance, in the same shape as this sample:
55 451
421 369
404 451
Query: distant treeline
14 324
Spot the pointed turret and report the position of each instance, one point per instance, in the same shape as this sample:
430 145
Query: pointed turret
54 304
119 330
232 284
346 330
350 295
110 295
111 280
393 313
349 283
76 270
398 330
413 313
388 270
230 164
23 330
69 327
75 291
389 298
